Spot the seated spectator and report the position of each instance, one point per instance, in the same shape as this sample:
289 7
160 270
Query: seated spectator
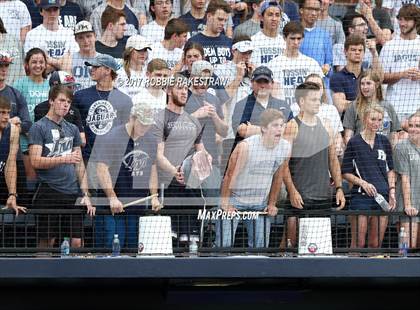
252 181
329 112
400 58
85 38
245 118
57 42
16 18
132 23
344 82
161 11
113 25
153 90
238 74
9 147
407 167
12 46
54 149
317 43
292 67
170 48
370 92
196 17
268 43
132 74
354 25
368 165
313 164
126 169
216 45
333 26
73 116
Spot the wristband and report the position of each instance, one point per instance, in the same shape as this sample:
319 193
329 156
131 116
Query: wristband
339 187
392 187
13 194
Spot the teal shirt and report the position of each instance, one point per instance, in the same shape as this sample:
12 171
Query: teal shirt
34 94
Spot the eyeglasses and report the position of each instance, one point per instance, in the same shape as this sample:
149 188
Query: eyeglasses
360 25
308 8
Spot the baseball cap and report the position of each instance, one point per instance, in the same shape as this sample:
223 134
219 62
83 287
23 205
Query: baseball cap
62 78
138 42
104 60
261 73
243 46
199 66
45 4
267 4
83 26
5 58
143 110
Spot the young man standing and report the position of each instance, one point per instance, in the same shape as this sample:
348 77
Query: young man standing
170 49
54 150
85 38
400 58
101 106
268 43
161 11
113 25
9 146
57 42
253 180
291 68
217 46
313 162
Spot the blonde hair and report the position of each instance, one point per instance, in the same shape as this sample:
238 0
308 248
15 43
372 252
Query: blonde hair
361 101
371 109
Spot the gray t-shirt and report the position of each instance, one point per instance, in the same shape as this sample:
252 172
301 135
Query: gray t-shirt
334 28
390 122
209 129
56 140
247 28
81 72
407 162
179 132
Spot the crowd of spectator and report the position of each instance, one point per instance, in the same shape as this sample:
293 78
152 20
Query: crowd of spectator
250 104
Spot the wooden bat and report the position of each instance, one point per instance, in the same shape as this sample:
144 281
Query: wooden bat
139 200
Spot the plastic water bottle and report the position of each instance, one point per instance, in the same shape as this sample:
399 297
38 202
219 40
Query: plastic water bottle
193 248
402 243
288 252
382 202
65 248
116 247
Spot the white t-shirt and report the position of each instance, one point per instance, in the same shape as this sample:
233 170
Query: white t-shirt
329 112
291 72
130 85
153 32
398 55
15 16
158 103
266 48
55 43
171 57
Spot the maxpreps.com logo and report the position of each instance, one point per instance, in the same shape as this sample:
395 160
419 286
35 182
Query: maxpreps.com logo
100 117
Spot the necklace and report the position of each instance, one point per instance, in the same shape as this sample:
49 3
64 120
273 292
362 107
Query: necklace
99 94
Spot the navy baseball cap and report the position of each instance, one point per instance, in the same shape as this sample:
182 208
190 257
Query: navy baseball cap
267 4
262 73
46 4
104 60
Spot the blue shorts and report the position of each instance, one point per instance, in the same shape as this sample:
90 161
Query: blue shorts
364 202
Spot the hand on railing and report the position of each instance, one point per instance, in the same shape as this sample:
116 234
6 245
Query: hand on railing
91 210
271 210
11 204
115 205
296 200
340 199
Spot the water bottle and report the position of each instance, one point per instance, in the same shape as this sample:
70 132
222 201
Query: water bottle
116 248
65 248
402 243
382 202
193 248
288 252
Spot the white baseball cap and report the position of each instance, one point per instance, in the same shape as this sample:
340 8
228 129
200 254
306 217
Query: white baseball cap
138 42
83 26
243 46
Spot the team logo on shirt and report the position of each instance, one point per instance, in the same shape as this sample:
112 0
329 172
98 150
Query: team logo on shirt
135 162
381 155
60 145
100 117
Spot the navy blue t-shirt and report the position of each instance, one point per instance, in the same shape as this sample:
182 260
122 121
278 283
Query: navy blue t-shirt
129 162
372 165
100 112
217 50
196 24
344 82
